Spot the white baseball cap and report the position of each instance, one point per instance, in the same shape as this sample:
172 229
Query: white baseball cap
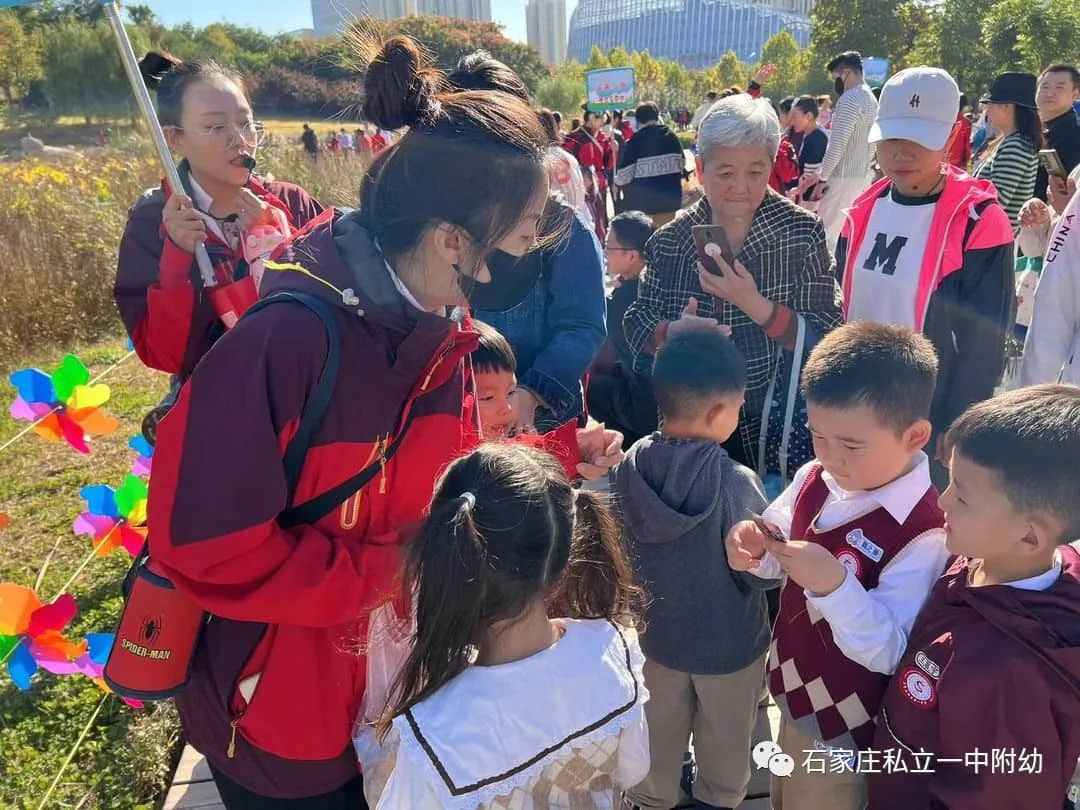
918 104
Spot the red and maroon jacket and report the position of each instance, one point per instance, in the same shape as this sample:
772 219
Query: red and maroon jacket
287 604
592 150
989 690
827 695
158 290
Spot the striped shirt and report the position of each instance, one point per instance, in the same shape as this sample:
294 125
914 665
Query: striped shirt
1012 168
849 151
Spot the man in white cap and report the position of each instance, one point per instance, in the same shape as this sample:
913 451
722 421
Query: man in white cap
929 247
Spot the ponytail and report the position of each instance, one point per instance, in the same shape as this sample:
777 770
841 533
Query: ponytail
447 562
598 582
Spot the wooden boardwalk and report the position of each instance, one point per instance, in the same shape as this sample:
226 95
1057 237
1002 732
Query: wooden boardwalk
193 787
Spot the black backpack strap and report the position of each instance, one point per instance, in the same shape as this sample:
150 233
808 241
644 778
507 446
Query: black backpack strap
315 509
319 402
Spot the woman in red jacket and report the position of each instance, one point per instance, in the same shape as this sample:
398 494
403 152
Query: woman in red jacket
278 677
208 122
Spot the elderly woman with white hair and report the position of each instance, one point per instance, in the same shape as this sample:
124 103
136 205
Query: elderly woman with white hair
780 285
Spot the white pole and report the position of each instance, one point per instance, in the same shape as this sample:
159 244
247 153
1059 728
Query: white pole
161 146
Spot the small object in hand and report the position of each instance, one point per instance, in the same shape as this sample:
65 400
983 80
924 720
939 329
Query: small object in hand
768 529
705 235
1051 163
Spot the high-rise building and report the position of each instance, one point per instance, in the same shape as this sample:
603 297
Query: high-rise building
695 33
545 21
331 16
478 10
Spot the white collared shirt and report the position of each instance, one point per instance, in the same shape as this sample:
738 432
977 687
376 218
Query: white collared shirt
870 627
203 203
1039 582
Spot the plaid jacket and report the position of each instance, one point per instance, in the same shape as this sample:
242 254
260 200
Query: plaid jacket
786 253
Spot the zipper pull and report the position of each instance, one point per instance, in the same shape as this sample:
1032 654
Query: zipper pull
230 752
382 465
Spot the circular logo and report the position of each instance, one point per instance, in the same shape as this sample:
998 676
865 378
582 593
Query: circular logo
918 688
850 561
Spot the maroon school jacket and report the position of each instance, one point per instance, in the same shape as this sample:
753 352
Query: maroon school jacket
158 290
994 670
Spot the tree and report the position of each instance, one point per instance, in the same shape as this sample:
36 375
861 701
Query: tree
20 57
83 72
868 26
782 50
729 71
449 39
619 57
1022 35
597 59
562 93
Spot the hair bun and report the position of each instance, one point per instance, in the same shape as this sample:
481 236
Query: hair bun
155 65
399 89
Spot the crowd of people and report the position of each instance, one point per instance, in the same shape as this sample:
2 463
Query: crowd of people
379 493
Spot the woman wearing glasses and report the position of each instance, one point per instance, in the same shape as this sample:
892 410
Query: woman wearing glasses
208 122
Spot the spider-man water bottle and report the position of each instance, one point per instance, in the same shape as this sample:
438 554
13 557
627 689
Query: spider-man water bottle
156 638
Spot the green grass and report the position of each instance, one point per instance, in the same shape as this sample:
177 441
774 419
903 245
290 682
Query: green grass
125 760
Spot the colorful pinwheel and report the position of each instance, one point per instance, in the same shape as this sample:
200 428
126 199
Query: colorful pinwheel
31 638
144 455
114 517
64 405
31 633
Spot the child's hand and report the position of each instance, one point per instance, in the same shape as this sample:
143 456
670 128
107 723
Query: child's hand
811 566
745 546
600 449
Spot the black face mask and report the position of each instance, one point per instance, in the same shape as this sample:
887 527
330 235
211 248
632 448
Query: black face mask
839 85
512 279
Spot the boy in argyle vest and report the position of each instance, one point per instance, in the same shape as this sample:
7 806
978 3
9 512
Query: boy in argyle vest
865 543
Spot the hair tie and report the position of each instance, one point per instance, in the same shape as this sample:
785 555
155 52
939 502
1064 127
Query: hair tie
469 499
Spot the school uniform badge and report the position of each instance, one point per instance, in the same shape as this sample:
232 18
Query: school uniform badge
864 545
850 560
918 687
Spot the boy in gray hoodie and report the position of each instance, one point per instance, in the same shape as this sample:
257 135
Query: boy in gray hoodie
707 633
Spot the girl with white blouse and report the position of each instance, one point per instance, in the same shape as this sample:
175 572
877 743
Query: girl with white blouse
497 706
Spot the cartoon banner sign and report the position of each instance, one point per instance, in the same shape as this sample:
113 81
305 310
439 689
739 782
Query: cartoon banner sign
875 71
610 89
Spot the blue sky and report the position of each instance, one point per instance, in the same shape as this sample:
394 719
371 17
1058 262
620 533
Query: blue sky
274 16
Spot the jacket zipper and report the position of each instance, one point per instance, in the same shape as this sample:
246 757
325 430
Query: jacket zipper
230 752
431 371
383 442
965 202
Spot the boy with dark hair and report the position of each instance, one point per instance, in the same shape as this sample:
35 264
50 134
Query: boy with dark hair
617 393
814 141
864 544
495 373
678 493
992 670
651 167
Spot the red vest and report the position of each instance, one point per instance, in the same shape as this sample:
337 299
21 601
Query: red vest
826 694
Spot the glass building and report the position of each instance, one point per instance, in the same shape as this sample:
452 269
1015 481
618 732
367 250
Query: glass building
695 33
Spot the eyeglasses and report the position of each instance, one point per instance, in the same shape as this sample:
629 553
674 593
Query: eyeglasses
225 136
612 247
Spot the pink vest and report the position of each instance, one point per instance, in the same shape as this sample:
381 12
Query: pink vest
826 694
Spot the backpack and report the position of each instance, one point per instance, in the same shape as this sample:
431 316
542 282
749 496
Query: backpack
159 628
